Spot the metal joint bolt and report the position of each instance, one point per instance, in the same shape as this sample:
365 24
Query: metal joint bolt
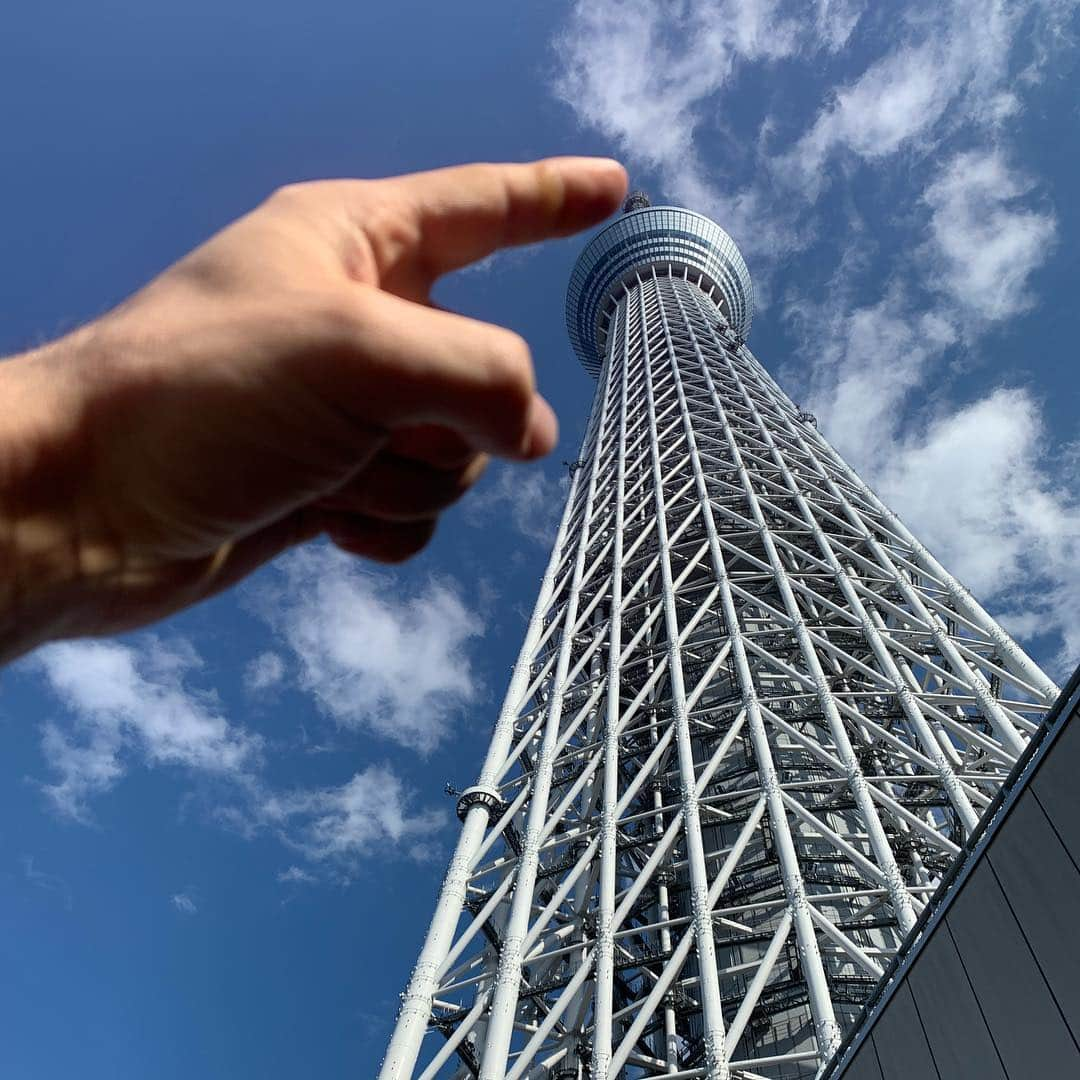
478 795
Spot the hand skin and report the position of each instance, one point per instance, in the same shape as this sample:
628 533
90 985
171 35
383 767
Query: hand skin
287 378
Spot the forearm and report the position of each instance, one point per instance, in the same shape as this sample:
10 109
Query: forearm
41 555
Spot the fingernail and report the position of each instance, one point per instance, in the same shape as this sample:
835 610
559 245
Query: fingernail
543 430
597 165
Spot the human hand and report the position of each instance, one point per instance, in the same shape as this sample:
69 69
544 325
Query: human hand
288 377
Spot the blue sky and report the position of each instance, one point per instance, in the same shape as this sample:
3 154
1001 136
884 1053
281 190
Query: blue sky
220 839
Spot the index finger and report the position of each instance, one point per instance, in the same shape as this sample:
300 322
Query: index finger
452 217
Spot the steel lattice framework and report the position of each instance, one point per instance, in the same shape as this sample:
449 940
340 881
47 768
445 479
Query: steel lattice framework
752 722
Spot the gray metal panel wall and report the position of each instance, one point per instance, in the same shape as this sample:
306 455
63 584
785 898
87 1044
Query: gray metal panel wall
955 1027
994 992
866 1066
1042 885
902 1049
1057 787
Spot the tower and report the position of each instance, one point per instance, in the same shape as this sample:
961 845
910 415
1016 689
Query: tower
752 722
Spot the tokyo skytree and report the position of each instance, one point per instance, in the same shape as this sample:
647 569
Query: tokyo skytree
752 722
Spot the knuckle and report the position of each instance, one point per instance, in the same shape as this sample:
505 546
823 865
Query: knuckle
336 315
511 366
299 197
288 194
551 183
388 220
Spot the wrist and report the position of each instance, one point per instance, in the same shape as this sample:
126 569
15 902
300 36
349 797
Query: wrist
42 579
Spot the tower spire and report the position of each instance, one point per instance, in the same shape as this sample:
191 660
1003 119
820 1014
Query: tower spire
752 722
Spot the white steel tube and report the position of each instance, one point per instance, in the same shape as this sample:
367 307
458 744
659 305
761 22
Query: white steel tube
415 1010
508 977
605 971
883 853
712 1003
826 1027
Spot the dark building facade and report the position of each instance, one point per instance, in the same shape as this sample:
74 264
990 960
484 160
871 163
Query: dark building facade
987 987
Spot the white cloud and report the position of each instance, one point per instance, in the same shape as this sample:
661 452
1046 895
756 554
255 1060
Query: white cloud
977 486
656 78
835 20
264 672
626 69
531 500
132 705
897 98
125 703
502 260
368 814
954 65
651 75
296 875
372 655
975 482
866 363
183 903
334 828
983 245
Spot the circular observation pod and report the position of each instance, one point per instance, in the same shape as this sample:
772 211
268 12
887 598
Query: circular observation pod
661 237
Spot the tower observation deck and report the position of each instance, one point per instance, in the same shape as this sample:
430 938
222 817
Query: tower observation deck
752 723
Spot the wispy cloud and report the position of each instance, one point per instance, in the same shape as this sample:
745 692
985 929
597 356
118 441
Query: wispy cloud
988 502
184 903
502 260
342 825
658 79
373 655
949 66
129 706
866 363
51 883
984 243
975 480
334 829
652 76
978 482
132 703
296 875
527 498
264 672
